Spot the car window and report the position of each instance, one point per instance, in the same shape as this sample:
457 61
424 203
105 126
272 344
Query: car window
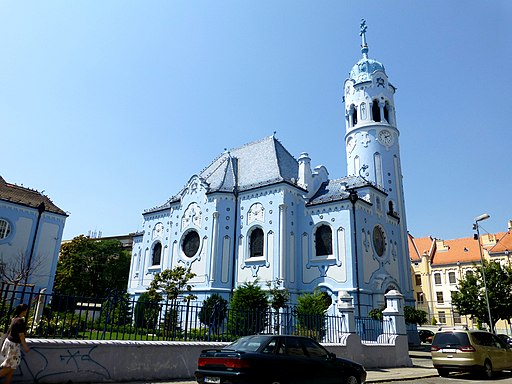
248 343
270 347
452 339
291 347
499 342
313 349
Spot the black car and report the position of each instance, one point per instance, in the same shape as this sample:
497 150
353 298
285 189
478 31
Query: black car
276 359
426 335
507 339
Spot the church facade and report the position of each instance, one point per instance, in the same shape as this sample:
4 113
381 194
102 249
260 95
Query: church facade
257 213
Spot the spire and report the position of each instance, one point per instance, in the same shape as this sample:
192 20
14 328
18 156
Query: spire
364 46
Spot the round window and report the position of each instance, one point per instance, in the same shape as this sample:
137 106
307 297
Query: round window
5 229
190 244
378 240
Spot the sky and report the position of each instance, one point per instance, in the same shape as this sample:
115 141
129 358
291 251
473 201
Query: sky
109 107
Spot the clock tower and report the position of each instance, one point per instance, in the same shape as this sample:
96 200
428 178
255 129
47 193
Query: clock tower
372 140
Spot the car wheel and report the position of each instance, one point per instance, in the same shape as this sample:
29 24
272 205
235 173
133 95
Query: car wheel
488 370
443 372
352 380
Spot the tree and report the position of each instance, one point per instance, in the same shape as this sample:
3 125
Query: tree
470 298
213 312
17 271
411 315
311 313
248 310
278 297
91 267
172 283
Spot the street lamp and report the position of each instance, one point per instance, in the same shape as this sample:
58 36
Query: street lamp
482 217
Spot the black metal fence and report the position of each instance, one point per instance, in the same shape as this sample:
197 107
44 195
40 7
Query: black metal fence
119 317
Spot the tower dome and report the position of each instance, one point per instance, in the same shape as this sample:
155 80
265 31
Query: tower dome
362 71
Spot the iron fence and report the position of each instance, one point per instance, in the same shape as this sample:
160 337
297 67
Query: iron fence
119 317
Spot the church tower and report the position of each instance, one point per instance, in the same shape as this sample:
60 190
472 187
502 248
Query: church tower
372 139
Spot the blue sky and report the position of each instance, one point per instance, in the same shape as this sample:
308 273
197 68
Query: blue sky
111 106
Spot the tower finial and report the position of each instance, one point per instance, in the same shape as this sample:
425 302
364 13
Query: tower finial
364 46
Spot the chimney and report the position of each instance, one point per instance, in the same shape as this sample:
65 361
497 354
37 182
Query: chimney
509 225
305 174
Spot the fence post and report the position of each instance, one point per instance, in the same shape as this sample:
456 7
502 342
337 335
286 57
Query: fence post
393 314
345 306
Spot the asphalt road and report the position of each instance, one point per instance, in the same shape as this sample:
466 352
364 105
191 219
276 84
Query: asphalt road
460 378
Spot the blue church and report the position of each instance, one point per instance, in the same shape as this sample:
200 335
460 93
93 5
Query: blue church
257 213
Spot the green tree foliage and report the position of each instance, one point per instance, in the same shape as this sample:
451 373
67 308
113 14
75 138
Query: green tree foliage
248 310
172 283
411 315
146 312
213 312
311 313
90 267
470 298
278 296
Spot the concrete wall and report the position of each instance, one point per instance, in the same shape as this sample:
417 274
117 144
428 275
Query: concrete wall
62 361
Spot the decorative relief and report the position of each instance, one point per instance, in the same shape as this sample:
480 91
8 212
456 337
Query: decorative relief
256 213
158 231
192 215
365 139
363 111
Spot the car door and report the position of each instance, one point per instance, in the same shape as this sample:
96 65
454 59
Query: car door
322 363
500 353
295 363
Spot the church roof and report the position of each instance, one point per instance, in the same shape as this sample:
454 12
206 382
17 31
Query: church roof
25 196
260 163
256 164
334 190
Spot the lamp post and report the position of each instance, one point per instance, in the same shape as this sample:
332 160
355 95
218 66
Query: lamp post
353 197
482 217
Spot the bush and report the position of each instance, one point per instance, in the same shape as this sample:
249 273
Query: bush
248 310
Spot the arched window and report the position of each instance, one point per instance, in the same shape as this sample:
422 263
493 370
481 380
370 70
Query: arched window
157 254
354 116
256 243
323 240
386 113
391 207
376 111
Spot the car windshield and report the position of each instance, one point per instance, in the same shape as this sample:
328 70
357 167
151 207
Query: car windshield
248 343
450 339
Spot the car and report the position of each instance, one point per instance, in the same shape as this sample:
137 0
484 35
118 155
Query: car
276 359
465 350
506 338
426 335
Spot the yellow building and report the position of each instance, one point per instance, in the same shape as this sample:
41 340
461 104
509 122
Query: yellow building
438 265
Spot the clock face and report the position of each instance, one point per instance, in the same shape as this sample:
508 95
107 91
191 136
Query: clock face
386 137
378 240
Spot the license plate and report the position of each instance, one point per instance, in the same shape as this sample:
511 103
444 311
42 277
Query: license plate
212 380
449 350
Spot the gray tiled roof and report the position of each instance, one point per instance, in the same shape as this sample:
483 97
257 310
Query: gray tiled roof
335 190
260 163
26 196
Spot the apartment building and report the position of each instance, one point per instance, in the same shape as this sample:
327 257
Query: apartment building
437 266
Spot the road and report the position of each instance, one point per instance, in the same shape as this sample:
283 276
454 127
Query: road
460 378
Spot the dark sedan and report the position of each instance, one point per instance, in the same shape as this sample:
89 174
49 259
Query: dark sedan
276 359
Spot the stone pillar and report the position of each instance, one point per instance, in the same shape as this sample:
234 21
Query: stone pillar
282 241
345 307
215 246
393 314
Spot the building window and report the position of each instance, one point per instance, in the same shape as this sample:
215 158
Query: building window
190 244
256 243
376 111
378 240
456 317
5 229
323 241
440 298
437 278
451 278
469 273
419 298
157 254
442 317
418 279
